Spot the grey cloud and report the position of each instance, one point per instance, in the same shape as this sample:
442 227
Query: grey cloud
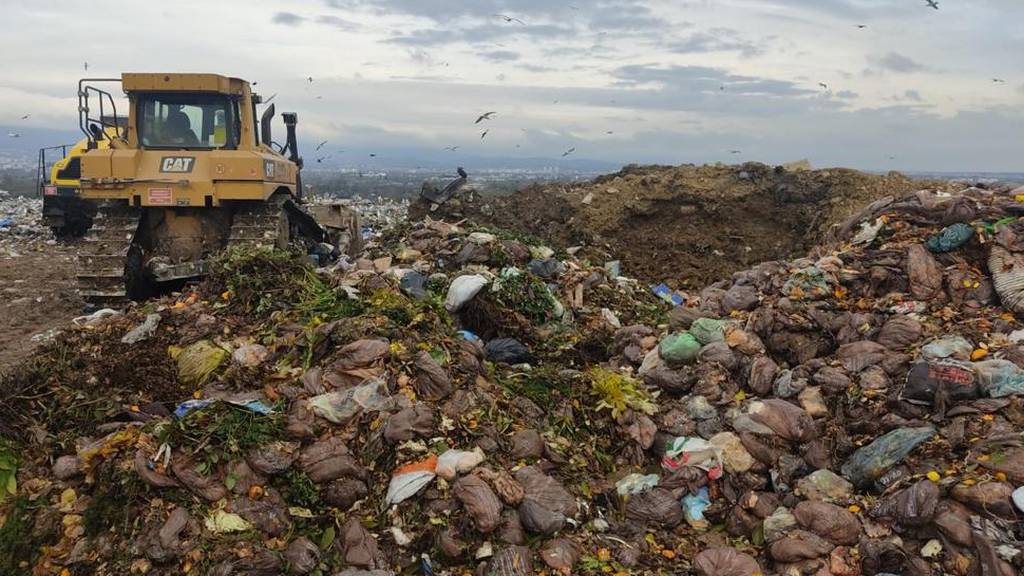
336 22
476 34
500 56
715 40
288 19
896 62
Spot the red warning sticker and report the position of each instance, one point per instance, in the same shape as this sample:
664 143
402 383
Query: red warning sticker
160 197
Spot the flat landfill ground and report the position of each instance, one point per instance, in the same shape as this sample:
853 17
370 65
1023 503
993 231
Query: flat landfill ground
37 283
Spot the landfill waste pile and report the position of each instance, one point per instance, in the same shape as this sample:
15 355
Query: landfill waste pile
685 225
20 222
464 402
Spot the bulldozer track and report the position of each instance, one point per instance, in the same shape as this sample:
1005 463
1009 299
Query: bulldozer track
102 260
259 224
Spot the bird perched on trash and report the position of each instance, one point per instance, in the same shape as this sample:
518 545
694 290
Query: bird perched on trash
485 116
569 151
484 134
320 145
932 4
509 19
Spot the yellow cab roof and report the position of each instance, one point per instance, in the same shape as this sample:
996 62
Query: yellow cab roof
180 82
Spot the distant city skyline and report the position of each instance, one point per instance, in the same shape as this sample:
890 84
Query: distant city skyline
615 81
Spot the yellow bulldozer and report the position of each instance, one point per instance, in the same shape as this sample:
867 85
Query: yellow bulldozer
191 173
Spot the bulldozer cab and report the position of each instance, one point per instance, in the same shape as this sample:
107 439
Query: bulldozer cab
190 140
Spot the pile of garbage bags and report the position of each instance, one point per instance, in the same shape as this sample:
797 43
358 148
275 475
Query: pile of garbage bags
463 401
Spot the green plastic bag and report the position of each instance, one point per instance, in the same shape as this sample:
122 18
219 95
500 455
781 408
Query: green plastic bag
708 331
950 238
679 349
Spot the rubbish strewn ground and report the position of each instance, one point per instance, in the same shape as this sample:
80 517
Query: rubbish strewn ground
464 401
37 279
686 225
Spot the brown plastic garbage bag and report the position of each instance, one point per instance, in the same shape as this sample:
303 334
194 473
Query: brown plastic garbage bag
725 562
329 460
763 371
1011 463
857 356
261 563
273 458
302 556
538 519
987 497
655 508
359 547
788 421
798 545
207 487
560 555
899 333
527 444
431 382
924 273
344 493
507 488
409 423
835 524
547 491
175 537
512 561
913 506
480 502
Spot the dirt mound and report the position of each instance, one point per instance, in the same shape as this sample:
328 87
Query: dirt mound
686 225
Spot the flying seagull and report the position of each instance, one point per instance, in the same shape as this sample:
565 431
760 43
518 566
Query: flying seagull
451 148
510 19
932 4
320 145
485 116
484 135
996 80
13 135
569 151
735 151
862 26
609 132
86 66
309 79
322 158
823 85
373 155
25 117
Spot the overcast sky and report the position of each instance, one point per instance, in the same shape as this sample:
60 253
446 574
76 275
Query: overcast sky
620 80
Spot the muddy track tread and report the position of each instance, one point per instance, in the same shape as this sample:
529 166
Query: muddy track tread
104 251
256 225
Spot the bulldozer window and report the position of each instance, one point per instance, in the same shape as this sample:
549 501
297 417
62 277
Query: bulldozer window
187 121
